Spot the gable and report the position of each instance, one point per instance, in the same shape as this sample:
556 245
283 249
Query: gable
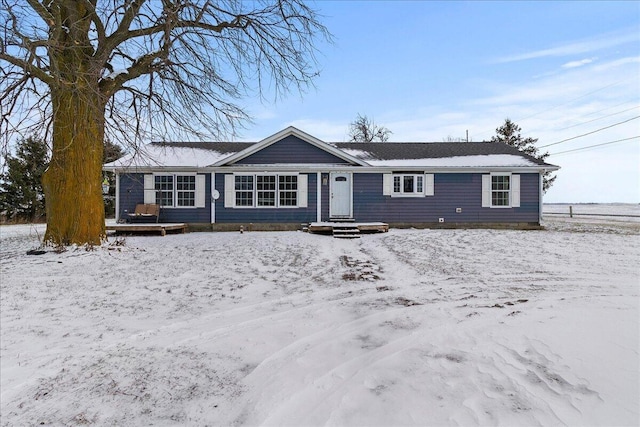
291 149
291 146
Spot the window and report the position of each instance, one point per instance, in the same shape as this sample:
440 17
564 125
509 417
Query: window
164 190
266 189
244 190
408 184
288 187
174 190
500 189
272 190
186 190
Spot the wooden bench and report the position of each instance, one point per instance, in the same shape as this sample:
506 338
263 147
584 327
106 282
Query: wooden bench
145 212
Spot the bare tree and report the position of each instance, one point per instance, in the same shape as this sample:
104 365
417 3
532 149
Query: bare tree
363 129
80 71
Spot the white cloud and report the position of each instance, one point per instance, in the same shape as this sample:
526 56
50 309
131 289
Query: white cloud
603 41
580 63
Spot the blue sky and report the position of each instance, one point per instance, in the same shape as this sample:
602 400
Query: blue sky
429 70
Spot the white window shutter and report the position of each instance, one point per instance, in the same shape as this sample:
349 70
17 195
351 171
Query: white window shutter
200 186
229 191
515 191
387 184
303 192
486 191
428 184
149 189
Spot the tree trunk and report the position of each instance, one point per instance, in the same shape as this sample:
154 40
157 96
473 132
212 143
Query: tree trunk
72 183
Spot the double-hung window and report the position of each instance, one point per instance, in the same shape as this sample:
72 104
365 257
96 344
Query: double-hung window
244 190
163 185
185 190
288 189
265 190
175 190
501 190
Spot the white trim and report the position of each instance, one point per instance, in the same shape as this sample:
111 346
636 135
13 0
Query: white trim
310 168
201 186
540 196
229 191
319 197
429 185
350 178
387 184
415 185
514 187
117 197
283 134
303 191
149 189
213 200
486 191
490 190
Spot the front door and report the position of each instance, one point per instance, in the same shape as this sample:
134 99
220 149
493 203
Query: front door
340 206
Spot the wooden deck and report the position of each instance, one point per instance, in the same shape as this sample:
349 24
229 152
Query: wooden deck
147 228
347 229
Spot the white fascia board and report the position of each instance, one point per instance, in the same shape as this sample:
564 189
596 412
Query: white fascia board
156 169
285 167
283 134
309 168
487 169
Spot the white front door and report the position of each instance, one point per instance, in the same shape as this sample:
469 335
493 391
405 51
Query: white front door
340 206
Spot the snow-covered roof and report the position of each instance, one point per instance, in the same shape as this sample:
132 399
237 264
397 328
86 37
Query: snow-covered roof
400 154
439 154
169 155
490 160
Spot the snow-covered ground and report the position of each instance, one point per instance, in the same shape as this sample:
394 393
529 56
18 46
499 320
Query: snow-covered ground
614 211
410 327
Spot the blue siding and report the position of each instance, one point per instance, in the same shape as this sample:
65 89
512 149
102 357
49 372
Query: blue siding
267 215
291 150
451 191
132 193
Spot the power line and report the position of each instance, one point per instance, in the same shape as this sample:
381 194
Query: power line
595 145
589 133
565 103
605 109
599 118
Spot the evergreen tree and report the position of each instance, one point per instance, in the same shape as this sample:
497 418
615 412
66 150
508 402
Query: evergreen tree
509 133
21 195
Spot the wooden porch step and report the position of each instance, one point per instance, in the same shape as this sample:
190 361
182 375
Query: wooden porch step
343 220
346 232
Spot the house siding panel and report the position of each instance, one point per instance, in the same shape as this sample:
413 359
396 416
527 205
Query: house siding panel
291 150
267 215
132 193
451 191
